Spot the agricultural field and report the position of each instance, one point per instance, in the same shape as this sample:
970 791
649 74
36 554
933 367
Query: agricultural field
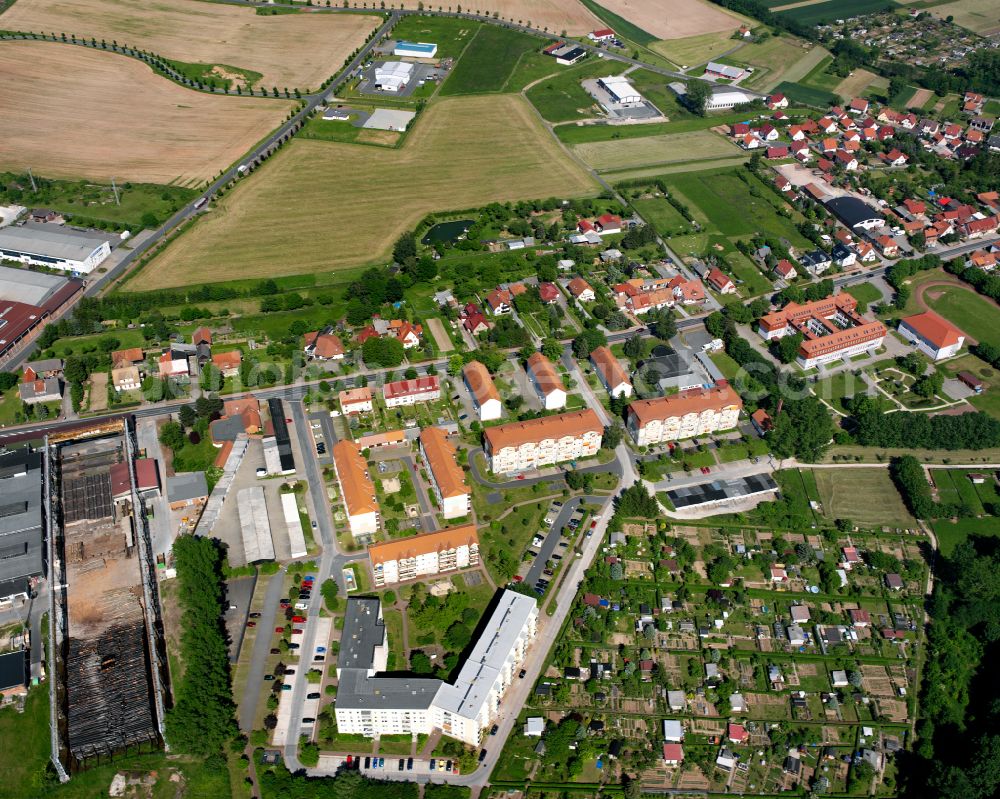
570 16
694 50
661 215
451 35
816 13
859 82
865 496
653 150
816 86
979 16
561 98
772 59
344 205
725 202
293 50
488 61
148 130
681 19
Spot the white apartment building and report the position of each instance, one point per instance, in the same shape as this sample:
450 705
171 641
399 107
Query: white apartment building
694 412
420 555
356 400
370 705
447 478
520 446
484 391
547 382
410 392
356 488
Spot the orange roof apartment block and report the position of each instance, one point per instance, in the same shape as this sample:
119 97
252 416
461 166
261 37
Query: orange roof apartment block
429 553
447 477
547 381
832 329
356 488
695 412
520 446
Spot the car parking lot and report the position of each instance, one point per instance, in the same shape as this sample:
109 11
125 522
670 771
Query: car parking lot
549 548
390 766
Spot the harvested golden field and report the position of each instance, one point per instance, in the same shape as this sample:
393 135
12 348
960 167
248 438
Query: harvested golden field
555 15
674 19
75 112
318 206
289 50
979 16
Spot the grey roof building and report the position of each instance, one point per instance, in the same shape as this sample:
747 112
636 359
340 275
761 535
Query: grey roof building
31 288
55 246
855 213
186 486
20 519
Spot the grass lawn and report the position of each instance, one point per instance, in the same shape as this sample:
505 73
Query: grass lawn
10 407
449 34
866 496
989 399
806 95
488 61
654 150
666 219
732 206
726 365
394 631
771 60
951 534
865 294
838 388
319 184
331 130
562 98
974 315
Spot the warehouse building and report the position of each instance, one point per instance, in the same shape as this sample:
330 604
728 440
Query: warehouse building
393 76
372 705
405 49
421 555
254 524
621 91
20 523
70 249
855 214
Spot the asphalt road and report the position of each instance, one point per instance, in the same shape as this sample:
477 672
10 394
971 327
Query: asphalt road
247 708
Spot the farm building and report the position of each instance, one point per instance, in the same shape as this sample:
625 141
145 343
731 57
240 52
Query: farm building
714 69
393 76
79 251
622 92
405 49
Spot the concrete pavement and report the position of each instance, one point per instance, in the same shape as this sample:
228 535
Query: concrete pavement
247 708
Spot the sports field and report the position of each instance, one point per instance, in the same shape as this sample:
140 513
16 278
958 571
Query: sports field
865 496
974 315
653 150
289 50
676 19
319 206
979 16
75 112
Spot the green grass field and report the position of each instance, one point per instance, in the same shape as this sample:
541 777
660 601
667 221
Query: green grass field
951 534
655 150
864 293
818 13
561 98
974 315
488 61
661 215
806 95
329 130
692 50
726 203
449 34
839 387
866 496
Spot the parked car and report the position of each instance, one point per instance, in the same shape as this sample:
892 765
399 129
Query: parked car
447 766
308 720
293 646
482 755
298 619
493 729
313 695
279 630
433 764
321 649
251 624
368 762
286 686
409 764
275 651
523 673
255 615
402 764
268 677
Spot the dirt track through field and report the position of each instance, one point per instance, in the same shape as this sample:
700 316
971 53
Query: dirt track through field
289 50
73 112
674 19
440 335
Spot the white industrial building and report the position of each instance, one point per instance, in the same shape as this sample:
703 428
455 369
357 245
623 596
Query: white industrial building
370 705
622 92
393 76
415 49
56 247
254 524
